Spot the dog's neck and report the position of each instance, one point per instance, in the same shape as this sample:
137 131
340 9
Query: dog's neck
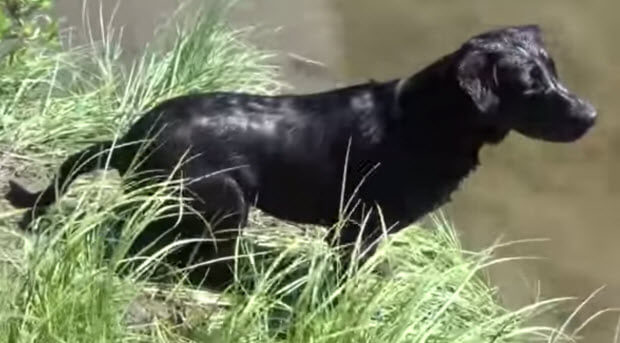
423 106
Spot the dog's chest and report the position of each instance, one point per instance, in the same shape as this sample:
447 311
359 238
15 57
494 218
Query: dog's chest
406 191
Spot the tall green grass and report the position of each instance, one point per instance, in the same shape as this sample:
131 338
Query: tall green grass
64 99
64 285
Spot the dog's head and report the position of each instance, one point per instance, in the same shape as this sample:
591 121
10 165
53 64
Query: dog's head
513 83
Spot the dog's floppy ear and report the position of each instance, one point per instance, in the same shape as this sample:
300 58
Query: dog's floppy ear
476 78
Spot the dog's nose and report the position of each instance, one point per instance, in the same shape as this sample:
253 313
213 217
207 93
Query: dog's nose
587 111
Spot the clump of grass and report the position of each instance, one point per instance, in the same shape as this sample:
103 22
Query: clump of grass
64 285
67 99
420 286
73 282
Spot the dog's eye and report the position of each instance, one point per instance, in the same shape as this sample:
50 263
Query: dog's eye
534 82
536 74
537 79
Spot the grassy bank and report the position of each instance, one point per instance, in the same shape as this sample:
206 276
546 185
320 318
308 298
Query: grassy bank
58 286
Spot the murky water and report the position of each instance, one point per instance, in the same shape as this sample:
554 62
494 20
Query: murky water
525 189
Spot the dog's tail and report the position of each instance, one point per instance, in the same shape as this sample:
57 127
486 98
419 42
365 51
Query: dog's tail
94 157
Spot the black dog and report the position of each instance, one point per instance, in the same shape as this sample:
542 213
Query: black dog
407 143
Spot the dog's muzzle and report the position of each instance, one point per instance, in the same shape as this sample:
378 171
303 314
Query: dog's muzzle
556 117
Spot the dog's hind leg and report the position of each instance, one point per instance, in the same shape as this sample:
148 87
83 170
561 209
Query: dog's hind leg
222 203
217 211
